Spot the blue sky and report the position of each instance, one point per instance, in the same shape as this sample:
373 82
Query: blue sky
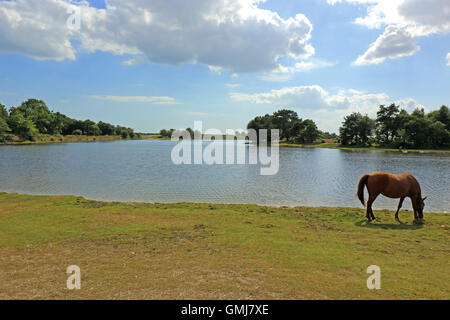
177 66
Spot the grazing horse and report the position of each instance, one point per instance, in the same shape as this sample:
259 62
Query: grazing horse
393 186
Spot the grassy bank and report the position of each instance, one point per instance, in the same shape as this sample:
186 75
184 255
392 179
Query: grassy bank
44 139
203 251
378 148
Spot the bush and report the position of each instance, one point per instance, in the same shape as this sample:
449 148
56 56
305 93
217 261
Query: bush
6 137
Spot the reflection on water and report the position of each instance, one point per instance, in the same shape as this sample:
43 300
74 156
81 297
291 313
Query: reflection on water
143 171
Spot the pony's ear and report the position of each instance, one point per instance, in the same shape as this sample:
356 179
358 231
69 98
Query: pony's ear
424 199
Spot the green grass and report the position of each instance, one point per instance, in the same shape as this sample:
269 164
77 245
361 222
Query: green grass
205 251
377 148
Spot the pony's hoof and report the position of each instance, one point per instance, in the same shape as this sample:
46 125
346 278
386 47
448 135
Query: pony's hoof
418 221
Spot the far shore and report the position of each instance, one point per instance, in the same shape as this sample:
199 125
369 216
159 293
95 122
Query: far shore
323 145
46 139
376 148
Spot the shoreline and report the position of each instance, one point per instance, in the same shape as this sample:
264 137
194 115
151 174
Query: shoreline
187 203
340 147
75 139
72 139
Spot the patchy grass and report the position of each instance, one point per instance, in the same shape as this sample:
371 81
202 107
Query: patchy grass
205 251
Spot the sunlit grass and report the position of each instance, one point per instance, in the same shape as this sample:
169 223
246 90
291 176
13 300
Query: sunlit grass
204 251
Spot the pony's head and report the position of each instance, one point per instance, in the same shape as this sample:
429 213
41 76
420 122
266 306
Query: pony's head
420 206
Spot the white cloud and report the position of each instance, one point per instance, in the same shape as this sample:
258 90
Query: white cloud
419 17
132 99
232 85
216 69
325 107
133 61
236 35
36 29
284 73
415 18
394 43
448 59
275 77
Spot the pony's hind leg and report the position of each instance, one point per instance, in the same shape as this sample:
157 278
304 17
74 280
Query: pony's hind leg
369 214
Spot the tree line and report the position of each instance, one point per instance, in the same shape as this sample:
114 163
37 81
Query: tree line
168 133
292 128
33 117
395 127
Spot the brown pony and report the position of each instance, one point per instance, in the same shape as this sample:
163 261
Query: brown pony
393 186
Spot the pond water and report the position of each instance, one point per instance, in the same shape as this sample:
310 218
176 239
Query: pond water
142 170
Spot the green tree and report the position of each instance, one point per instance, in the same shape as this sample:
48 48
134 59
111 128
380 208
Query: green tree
4 128
438 135
124 132
284 120
310 132
191 132
291 127
3 112
417 131
261 122
356 129
77 132
106 129
418 113
328 135
38 112
90 128
163 133
306 131
442 115
22 126
386 123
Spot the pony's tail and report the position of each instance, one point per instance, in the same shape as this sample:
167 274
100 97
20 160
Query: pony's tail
361 185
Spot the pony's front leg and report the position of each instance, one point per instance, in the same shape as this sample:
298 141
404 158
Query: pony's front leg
414 204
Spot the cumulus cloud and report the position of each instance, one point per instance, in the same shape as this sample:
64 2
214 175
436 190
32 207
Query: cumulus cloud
318 103
36 29
131 99
394 43
133 61
236 35
411 18
283 73
448 59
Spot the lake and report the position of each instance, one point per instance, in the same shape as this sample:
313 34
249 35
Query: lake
142 170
